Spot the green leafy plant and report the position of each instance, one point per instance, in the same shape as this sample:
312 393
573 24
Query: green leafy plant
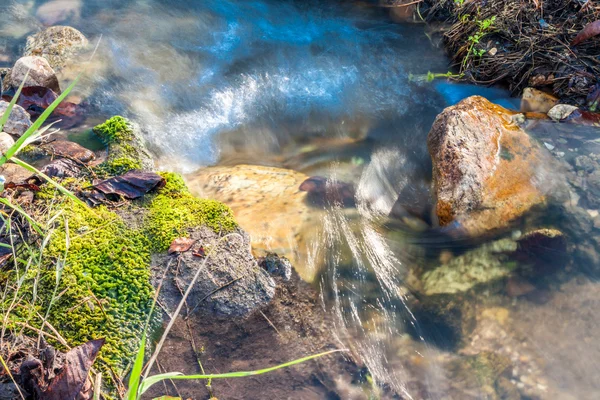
483 28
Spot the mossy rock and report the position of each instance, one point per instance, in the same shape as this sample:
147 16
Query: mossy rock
126 148
484 372
103 260
485 264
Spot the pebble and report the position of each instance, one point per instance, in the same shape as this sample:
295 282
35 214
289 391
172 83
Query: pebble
549 146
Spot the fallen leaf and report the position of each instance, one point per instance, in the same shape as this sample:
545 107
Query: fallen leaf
28 186
131 185
590 30
35 99
181 245
71 380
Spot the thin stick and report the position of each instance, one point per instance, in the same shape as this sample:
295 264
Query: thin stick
231 282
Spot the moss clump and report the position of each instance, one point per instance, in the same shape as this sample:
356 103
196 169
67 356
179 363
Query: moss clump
117 166
174 185
174 210
116 129
104 285
106 281
126 150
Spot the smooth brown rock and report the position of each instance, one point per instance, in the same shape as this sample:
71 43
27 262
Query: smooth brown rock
487 171
40 74
57 44
534 100
67 149
268 204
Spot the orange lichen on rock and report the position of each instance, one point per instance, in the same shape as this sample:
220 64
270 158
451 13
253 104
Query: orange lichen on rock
487 171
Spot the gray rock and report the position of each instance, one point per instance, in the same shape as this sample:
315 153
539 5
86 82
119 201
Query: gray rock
19 120
40 74
593 192
231 283
561 111
584 163
6 141
276 265
56 44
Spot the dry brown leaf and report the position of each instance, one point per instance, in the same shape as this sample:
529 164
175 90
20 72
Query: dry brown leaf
181 245
590 30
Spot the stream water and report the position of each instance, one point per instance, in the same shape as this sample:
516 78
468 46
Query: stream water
322 87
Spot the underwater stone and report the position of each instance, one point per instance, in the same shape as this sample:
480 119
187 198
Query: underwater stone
484 264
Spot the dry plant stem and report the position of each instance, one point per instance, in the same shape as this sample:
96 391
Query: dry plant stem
182 303
5 367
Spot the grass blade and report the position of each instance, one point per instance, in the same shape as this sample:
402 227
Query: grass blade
136 372
18 209
14 149
49 180
151 380
12 103
11 376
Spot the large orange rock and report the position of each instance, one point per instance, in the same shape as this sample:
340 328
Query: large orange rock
268 204
487 171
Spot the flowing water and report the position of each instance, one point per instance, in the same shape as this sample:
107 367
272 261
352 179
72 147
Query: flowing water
325 88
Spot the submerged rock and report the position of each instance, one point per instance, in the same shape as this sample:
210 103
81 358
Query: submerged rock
535 100
484 264
487 171
56 44
18 121
40 74
268 204
57 11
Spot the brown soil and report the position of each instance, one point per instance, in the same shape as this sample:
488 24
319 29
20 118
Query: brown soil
292 326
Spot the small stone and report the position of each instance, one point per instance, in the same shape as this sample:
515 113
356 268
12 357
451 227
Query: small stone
40 74
57 44
562 141
57 11
6 141
534 100
19 120
276 265
593 213
561 111
549 146
65 148
560 154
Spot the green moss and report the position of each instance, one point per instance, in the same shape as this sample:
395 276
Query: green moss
105 286
174 184
125 151
117 166
174 210
116 129
105 281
